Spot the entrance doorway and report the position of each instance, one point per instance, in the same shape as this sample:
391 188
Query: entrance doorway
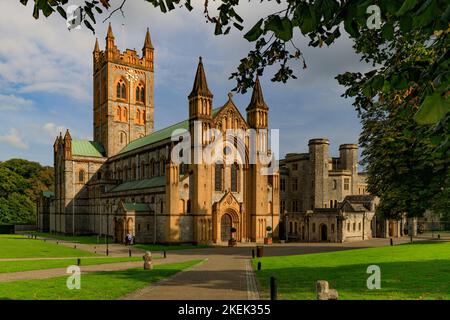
225 228
323 232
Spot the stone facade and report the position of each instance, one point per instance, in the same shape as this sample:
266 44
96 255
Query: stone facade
126 181
319 197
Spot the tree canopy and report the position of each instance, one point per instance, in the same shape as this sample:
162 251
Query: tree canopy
21 181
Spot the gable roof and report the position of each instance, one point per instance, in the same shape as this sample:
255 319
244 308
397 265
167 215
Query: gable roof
87 148
159 135
140 184
137 207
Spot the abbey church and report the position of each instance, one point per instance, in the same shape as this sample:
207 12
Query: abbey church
125 181
128 181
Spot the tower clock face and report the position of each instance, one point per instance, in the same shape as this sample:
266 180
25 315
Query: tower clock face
131 75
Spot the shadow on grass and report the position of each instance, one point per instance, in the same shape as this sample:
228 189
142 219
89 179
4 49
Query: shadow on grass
399 280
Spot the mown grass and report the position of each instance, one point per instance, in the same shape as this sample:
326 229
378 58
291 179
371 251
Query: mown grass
27 265
409 271
93 239
18 246
94 286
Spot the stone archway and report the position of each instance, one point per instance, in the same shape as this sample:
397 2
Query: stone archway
225 227
119 230
323 232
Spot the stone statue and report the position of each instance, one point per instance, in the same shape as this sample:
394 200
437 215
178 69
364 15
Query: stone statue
324 292
148 264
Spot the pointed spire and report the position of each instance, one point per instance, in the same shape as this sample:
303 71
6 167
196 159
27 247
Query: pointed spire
200 85
110 32
96 47
67 136
148 41
257 100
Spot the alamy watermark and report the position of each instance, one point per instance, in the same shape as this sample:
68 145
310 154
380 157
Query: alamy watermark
235 146
374 280
74 280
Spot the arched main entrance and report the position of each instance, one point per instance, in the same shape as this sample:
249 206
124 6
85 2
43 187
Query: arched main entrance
119 230
323 232
225 227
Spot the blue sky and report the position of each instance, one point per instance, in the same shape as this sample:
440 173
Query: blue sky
46 77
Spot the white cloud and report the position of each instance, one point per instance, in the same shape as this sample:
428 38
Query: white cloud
52 129
14 139
12 102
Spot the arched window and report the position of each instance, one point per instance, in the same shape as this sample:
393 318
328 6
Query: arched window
234 177
81 175
163 167
218 177
124 91
138 93
121 90
118 91
125 173
142 95
133 172
138 116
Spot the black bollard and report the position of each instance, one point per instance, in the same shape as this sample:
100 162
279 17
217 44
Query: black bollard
253 253
78 261
95 249
57 242
392 242
273 289
129 252
439 237
165 255
75 246
411 239
259 265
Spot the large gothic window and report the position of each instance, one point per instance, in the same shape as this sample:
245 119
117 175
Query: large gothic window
218 177
234 177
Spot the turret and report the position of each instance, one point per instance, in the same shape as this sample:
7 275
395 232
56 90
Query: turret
147 50
67 146
257 110
109 43
318 152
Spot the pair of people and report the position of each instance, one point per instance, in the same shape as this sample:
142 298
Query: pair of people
129 239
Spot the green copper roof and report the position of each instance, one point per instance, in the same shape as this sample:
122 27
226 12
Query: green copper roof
48 194
141 184
138 207
159 135
87 148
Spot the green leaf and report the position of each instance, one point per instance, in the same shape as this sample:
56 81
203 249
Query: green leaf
407 6
308 20
432 110
62 12
255 32
281 27
387 31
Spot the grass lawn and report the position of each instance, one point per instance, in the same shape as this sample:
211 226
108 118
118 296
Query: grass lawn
94 286
409 271
26 265
161 247
76 239
17 246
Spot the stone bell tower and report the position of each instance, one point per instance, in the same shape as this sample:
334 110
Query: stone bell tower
200 121
257 200
123 94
